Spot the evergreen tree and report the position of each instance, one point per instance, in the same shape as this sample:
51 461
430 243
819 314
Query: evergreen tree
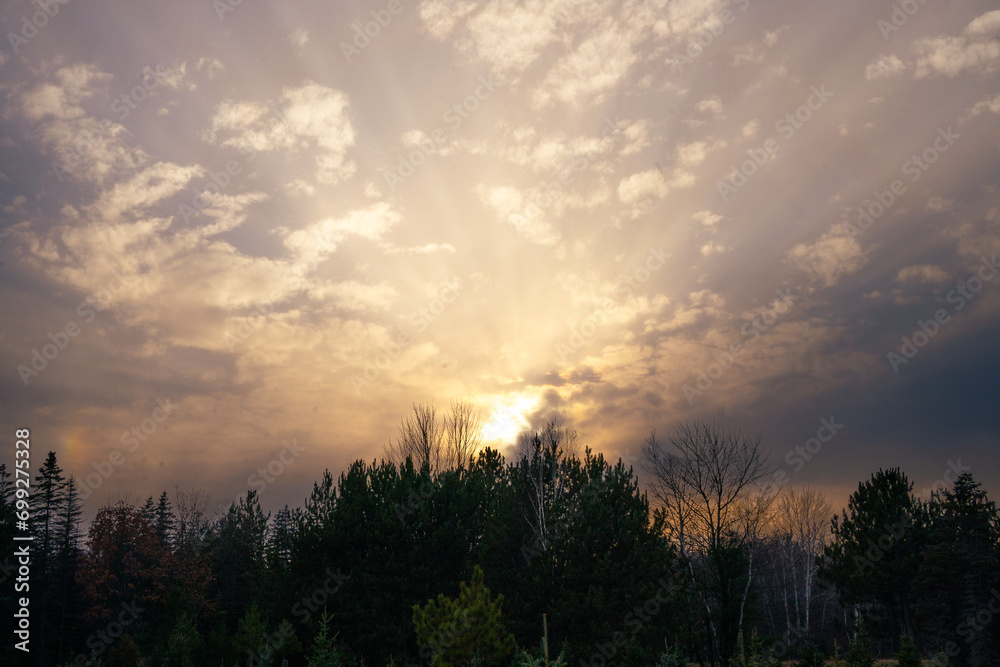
959 570
324 653
455 632
47 497
907 655
860 653
67 560
163 521
236 553
875 551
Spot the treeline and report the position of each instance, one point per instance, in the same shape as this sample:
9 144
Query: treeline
446 554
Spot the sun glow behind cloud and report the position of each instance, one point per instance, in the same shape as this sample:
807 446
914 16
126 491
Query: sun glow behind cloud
539 158
509 414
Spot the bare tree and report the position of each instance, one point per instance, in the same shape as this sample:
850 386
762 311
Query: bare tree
714 488
802 524
192 519
419 438
441 444
463 432
544 452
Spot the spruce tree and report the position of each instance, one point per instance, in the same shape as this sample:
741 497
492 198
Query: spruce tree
860 653
324 653
163 521
907 655
467 628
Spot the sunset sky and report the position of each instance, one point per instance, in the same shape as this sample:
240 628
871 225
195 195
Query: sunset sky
234 233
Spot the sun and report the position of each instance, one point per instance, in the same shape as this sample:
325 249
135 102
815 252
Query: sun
508 416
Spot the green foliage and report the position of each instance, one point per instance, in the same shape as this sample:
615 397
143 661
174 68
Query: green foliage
525 659
959 569
324 653
471 626
810 656
860 653
672 656
183 644
754 655
907 655
252 633
876 547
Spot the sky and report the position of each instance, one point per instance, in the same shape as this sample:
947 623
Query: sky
240 239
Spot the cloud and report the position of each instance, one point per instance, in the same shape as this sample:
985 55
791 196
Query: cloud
310 115
643 185
987 104
509 36
440 18
922 273
707 218
355 296
594 69
951 55
316 242
884 67
753 52
511 206
710 248
146 188
830 257
711 106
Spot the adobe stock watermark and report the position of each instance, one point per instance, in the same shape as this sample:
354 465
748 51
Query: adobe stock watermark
30 26
877 549
223 7
303 610
583 331
973 625
914 167
364 33
268 473
60 340
132 439
963 293
901 13
447 293
713 29
123 105
751 331
798 456
948 477
739 174
454 116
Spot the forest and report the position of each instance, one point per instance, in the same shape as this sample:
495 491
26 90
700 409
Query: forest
443 552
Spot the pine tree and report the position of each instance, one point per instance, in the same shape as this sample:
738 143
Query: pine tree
907 655
324 653
67 541
876 548
860 653
469 627
47 497
959 569
164 521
